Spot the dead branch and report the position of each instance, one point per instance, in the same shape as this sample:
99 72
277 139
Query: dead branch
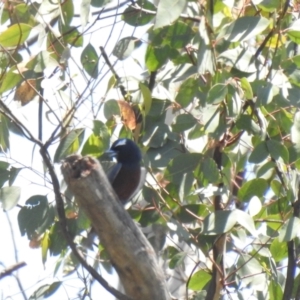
130 252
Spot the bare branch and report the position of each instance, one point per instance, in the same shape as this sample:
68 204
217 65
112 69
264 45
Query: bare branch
130 252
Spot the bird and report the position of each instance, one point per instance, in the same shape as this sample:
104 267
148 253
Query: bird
127 176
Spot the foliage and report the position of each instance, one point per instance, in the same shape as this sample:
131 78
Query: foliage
215 113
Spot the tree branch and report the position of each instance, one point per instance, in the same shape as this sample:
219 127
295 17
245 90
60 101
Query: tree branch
130 252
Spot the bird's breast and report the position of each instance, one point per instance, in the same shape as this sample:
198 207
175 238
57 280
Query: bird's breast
126 182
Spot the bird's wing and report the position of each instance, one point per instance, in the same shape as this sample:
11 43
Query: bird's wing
113 171
141 183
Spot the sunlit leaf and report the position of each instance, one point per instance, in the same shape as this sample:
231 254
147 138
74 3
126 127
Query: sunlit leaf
244 28
69 144
15 35
168 11
199 280
255 187
289 230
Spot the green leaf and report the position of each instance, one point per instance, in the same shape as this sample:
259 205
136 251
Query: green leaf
207 61
10 80
187 213
45 291
4 133
160 156
254 206
289 230
217 93
183 122
244 28
67 9
89 60
295 132
156 134
189 89
293 31
21 12
275 290
4 172
199 280
245 122
69 144
15 35
168 11
125 47
223 221
277 150
111 109
259 154
177 260
111 83
207 172
219 222
255 187
147 97
136 17
247 265
247 88
98 141
72 36
156 57
85 8
176 36
35 216
99 3
246 221
9 197
278 250
183 163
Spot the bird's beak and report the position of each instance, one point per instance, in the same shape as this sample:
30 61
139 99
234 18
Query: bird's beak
111 154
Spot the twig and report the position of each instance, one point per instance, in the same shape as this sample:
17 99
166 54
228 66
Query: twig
11 269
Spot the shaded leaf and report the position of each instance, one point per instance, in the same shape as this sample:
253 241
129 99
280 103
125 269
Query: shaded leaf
4 133
35 216
45 291
255 187
217 94
259 154
277 150
89 60
183 122
125 47
177 260
9 197
137 17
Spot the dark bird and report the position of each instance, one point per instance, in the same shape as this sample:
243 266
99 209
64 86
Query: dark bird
127 176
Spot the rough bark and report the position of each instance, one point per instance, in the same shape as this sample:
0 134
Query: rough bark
130 252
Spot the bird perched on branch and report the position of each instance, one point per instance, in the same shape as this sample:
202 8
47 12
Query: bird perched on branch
127 176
